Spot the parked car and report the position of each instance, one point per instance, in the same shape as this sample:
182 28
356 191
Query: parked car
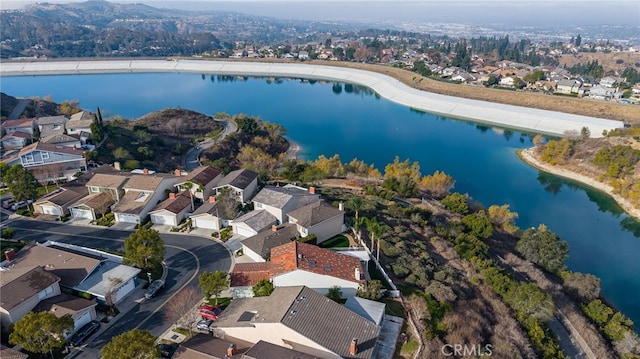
80 336
210 312
167 350
154 288
22 204
204 324
7 203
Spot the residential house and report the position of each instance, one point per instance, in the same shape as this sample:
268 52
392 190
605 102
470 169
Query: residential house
243 182
62 140
202 180
253 222
92 207
300 319
266 350
202 346
110 183
50 162
258 247
81 310
24 125
172 210
142 194
319 218
297 263
303 55
22 288
15 140
507 81
608 81
57 202
604 93
280 200
463 77
79 125
51 125
568 86
99 274
8 353
209 216
368 309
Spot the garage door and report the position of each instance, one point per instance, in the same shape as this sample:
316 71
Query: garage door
243 231
51 210
81 213
84 319
159 219
205 223
126 217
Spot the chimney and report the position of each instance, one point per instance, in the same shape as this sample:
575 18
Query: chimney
353 347
341 206
212 199
274 228
357 273
145 171
172 195
10 254
116 166
177 172
231 350
312 190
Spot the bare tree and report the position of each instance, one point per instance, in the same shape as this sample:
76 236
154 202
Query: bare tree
179 309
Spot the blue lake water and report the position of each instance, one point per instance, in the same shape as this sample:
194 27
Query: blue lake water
328 118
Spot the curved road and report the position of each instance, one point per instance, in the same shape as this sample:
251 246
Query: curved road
192 158
186 257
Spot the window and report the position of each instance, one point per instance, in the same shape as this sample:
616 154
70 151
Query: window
45 292
28 159
94 189
45 155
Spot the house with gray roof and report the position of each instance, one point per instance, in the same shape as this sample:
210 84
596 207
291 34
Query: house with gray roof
51 125
60 139
53 161
302 320
92 206
15 140
202 346
319 218
243 182
172 210
280 200
253 222
203 179
24 125
209 216
81 310
258 247
57 202
568 86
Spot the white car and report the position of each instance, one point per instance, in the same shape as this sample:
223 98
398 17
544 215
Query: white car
22 204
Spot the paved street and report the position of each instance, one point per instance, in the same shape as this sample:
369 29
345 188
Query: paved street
186 257
192 158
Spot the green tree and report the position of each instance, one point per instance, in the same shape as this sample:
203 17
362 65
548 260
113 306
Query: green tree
213 283
335 294
503 217
247 124
371 289
598 312
544 248
586 287
355 203
617 327
143 248
41 332
21 183
134 344
457 203
478 224
530 301
264 288
557 152
469 246
121 154
375 229
96 131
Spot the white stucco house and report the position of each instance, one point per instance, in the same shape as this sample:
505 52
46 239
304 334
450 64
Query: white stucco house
209 216
203 179
243 182
142 193
280 200
319 218
173 210
252 223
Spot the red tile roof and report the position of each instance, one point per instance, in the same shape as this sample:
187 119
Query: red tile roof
249 274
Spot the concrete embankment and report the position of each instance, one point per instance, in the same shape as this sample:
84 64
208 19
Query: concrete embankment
528 156
514 117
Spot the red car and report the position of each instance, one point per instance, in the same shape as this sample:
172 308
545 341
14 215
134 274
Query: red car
210 312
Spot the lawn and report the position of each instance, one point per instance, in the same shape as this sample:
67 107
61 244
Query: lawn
338 241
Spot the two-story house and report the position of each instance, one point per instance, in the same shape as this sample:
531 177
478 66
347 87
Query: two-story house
280 200
24 125
50 162
57 202
319 218
243 182
202 181
172 210
51 125
142 194
15 140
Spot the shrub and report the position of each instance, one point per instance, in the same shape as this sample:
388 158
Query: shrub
8 233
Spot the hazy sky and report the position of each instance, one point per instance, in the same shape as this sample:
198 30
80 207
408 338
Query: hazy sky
473 12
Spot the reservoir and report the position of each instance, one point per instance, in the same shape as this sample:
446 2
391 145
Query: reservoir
335 118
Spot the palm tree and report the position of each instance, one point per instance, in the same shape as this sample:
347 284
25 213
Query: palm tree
189 185
358 223
356 204
375 230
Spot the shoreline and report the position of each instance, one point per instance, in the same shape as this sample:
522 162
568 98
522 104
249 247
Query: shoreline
527 156
294 149
475 111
